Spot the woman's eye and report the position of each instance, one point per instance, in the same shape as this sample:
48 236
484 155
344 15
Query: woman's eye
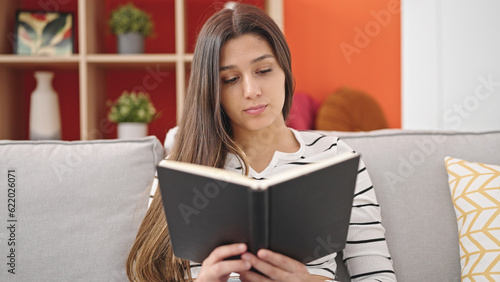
232 80
264 71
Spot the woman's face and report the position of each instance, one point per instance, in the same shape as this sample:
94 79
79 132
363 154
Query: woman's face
252 83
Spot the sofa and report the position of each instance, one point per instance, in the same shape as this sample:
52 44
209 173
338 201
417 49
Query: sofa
78 204
408 172
72 210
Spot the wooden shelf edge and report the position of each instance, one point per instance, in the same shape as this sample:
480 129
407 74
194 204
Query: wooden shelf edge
134 61
10 58
131 58
17 61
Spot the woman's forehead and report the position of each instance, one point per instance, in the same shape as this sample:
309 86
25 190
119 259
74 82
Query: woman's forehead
248 48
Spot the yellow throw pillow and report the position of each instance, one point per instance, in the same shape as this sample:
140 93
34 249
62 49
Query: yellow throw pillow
475 190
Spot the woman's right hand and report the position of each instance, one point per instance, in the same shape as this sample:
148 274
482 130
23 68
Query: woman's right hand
215 268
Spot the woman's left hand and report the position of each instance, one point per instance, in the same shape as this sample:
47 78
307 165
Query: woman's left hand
276 266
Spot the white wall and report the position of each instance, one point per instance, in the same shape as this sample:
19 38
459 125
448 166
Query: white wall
451 64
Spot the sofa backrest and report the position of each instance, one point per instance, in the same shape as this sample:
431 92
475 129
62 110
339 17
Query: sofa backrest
73 207
410 179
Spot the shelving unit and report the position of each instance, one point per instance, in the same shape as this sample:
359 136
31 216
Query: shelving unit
96 70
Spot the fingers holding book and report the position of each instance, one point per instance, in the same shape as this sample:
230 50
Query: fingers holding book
276 266
216 267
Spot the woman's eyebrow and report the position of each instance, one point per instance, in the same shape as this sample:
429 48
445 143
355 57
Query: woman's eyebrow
256 60
265 56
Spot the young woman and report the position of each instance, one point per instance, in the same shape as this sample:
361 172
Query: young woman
239 95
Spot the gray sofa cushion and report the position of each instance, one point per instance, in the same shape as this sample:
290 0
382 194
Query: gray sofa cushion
78 206
410 180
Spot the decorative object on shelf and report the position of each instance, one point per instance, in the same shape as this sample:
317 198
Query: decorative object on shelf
41 33
132 111
45 117
131 25
230 5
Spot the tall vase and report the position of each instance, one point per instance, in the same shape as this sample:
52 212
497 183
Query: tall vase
45 118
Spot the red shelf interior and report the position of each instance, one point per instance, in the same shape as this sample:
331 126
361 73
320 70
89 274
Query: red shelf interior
163 15
161 88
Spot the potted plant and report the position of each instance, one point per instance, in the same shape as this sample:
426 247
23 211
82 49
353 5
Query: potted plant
131 25
132 112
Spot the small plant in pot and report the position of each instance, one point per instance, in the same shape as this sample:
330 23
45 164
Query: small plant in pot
132 112
130 24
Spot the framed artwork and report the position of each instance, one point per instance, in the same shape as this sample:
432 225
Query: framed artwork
41 33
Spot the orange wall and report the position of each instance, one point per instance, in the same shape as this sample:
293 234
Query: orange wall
353 43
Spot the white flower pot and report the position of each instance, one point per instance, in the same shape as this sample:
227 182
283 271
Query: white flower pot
130 130
45 118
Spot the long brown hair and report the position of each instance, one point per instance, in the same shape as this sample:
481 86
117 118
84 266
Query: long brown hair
204 134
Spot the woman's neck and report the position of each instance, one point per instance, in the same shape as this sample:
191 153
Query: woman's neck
260 146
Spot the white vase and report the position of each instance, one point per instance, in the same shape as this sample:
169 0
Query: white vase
128 130
45 118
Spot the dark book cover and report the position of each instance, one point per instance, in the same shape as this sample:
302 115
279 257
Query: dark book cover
303 213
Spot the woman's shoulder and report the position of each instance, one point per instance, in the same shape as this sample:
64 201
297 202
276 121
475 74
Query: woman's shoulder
314 138
318 142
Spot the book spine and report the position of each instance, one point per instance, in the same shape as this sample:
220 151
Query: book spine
259 220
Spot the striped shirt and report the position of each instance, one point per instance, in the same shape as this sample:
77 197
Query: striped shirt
366 254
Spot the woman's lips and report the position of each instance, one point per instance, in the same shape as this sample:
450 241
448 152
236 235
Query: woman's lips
256 110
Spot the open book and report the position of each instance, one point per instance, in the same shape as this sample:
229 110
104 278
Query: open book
303 213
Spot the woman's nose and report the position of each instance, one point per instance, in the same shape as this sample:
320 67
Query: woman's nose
251 88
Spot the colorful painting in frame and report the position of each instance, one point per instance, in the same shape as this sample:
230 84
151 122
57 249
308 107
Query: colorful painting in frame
44 33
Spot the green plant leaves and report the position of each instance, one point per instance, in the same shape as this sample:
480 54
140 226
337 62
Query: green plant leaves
128 18
132 107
